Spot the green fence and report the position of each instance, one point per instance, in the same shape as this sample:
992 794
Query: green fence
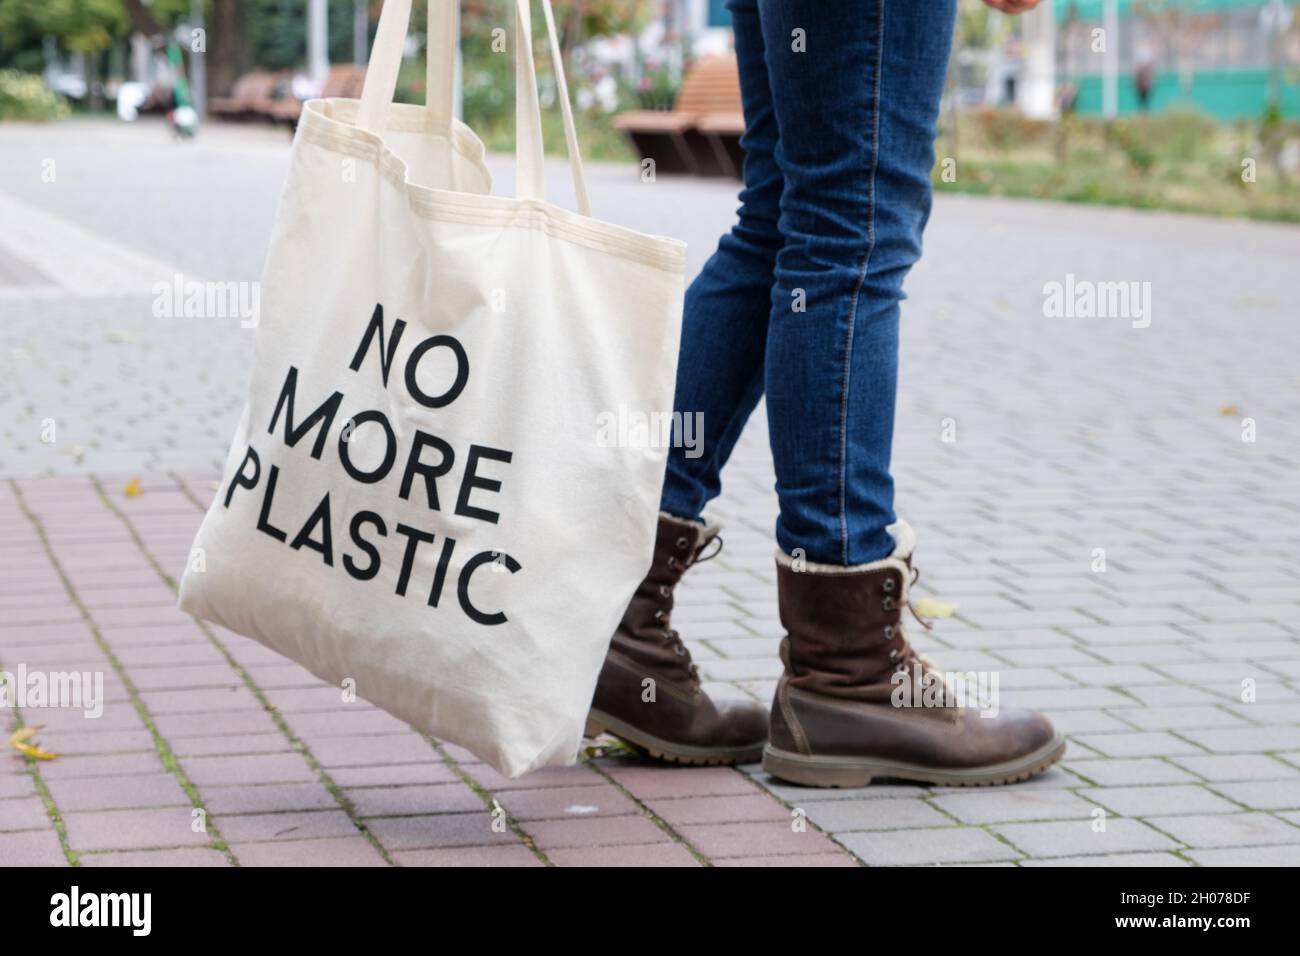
1235 94
1223 57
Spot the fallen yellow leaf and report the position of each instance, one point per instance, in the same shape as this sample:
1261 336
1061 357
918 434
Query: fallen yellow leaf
133 489
1229 410
24 733
932 607
18 740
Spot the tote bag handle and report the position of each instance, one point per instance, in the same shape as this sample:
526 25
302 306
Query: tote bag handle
386 57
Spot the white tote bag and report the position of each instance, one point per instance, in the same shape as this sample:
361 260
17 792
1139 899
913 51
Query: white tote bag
418 497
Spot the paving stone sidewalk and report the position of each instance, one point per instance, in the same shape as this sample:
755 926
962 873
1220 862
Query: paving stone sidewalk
278 770
1028 449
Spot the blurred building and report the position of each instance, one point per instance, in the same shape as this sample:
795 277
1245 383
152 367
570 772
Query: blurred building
706 25
1227 58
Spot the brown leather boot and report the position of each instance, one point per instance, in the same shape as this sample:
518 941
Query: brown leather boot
856 701
649 692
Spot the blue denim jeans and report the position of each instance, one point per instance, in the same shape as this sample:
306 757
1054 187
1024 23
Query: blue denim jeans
800 302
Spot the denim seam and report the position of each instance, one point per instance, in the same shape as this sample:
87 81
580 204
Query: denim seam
857 292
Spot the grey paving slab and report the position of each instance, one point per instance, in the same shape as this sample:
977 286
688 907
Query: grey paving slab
1235 830
1154 801
1084 837
1175 672
928 847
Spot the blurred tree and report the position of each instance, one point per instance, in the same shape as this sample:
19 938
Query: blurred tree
579 20
575 20
271 34
80 26
88 27
227 47
276 31
142 18
488 79
1183 33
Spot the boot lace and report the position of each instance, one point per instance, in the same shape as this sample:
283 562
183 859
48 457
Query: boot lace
671 636
905 655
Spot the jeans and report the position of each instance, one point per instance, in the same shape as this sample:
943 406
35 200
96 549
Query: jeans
800 302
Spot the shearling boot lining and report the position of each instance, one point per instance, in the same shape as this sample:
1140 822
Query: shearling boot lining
707 528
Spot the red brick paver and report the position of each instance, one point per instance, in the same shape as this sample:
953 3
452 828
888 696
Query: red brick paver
284 772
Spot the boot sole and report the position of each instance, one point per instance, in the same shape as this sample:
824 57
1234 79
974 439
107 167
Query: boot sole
601 723
830 771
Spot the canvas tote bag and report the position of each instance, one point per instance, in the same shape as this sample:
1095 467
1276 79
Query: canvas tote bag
417 498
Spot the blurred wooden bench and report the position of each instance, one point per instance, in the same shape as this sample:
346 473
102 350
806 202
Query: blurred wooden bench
252 96
344 82
701 133
268 96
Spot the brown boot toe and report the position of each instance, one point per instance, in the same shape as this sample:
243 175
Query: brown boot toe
1007 738
746 725
1033 730
649 692
680 723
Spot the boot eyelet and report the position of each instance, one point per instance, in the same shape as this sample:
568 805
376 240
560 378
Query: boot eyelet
888 604
663 590
679 650
889 632
682 543
659 615
672 561
893 654
888 585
